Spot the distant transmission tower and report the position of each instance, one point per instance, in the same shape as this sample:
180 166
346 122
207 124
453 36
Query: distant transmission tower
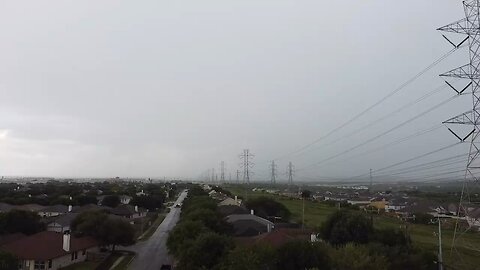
469 26
273 168
247 164
290 172
238 176
222 172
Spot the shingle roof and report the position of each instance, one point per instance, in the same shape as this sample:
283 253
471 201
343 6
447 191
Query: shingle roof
46 245
63 220
235 218
58 208
90 207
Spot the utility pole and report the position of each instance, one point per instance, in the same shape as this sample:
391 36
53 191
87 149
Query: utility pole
469 26
238 176
230 177
440 254
273 178
246 164
290 172
222 172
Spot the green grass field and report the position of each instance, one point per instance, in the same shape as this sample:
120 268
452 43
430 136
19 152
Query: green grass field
422 235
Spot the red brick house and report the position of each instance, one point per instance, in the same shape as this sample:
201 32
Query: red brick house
50 250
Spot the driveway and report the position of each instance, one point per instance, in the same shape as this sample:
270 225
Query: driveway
152 253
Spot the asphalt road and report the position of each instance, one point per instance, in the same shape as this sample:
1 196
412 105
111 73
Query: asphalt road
152 253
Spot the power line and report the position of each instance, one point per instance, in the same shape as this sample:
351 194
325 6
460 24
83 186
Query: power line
387 116
402 86
383 133
414 158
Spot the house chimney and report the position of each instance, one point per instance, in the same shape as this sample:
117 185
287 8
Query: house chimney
236 199
70 208
252 212
136 208
66 241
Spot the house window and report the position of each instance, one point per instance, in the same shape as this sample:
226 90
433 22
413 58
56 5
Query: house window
49 264
40 265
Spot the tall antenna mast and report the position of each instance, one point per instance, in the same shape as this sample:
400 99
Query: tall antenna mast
469 26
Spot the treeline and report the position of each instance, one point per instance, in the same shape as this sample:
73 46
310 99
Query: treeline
202 237
202 240
55 192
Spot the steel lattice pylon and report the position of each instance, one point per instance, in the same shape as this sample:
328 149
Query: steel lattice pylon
469 26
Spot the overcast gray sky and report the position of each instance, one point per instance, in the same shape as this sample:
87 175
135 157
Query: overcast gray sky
171 88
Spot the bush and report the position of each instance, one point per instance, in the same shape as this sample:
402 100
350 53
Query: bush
303 255
343 227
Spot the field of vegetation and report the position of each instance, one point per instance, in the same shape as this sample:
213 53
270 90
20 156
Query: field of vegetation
423 236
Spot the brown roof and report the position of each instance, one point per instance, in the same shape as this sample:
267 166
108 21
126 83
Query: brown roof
276 238
46 245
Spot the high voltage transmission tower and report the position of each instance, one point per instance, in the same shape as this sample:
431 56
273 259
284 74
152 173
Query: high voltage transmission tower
290 172
246 164
222 172
273 168
469 26
238 176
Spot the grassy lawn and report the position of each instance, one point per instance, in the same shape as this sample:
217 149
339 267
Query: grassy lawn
82 266
153 227
422 235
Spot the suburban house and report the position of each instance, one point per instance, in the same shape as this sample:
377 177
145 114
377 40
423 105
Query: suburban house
61 223
55 210
359 201
125 199
90 207
396 204
227 210
230 201
473 218
50 250
249 224
129 212
278 237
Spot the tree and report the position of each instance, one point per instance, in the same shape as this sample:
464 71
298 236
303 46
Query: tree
8 261
111 201
115 231
210 219
150 202
108 230
353 257
183 234
343 227
86 199
258 257
205 252
20 221
267 207
303 255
